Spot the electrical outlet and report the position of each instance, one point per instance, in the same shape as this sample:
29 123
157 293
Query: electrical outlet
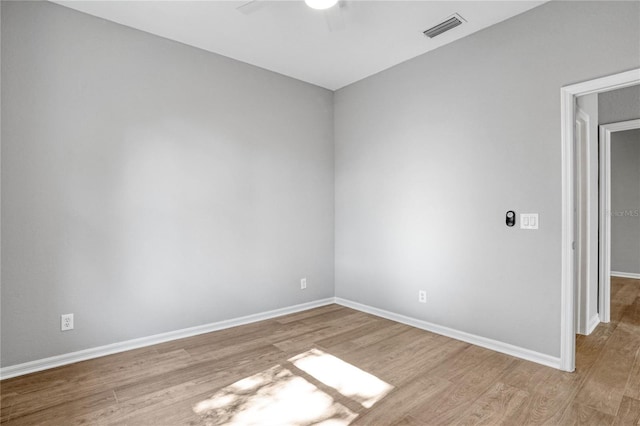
422 296
303 284
66 322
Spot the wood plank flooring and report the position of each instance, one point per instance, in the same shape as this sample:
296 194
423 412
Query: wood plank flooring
385 374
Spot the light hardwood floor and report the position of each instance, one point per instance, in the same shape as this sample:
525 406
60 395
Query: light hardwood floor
376 372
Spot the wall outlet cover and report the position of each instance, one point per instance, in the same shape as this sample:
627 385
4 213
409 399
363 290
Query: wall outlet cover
66 322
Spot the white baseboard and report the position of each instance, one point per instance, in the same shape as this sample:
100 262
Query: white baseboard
625 275
70 358
484 342
593 323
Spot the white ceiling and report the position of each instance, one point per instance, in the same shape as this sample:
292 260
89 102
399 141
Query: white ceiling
290 38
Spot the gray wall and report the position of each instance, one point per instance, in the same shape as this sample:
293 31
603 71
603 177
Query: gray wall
148 186
625 201
430 155
619 105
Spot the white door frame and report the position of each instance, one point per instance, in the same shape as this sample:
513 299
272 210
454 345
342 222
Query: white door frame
568 95
604 309
584 139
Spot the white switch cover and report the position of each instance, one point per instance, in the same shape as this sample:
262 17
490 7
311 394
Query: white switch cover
529 221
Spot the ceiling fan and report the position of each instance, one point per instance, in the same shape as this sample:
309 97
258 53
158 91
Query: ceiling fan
333 10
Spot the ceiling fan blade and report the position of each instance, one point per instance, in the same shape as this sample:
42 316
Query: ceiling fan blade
250 7
335 17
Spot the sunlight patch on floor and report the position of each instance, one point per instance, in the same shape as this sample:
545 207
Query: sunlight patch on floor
347 379
273 397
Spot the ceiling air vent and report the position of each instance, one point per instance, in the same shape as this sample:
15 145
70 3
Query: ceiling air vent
448 24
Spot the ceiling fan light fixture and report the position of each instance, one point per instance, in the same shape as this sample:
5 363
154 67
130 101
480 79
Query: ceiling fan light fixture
320 4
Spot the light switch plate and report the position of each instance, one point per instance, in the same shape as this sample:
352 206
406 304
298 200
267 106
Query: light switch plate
529 221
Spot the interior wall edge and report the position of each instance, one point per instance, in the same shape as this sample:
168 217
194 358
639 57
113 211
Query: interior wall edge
494 345
100 351
87 354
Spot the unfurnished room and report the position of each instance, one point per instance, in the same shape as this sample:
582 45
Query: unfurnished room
320 212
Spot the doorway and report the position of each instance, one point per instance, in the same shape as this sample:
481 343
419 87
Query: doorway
607 134
568 116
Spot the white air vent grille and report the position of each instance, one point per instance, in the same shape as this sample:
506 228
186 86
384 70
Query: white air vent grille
442 27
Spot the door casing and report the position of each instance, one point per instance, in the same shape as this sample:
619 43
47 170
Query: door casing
604 235
568 95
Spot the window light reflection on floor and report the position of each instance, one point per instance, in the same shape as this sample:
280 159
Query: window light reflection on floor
273 397
347 379
277 396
